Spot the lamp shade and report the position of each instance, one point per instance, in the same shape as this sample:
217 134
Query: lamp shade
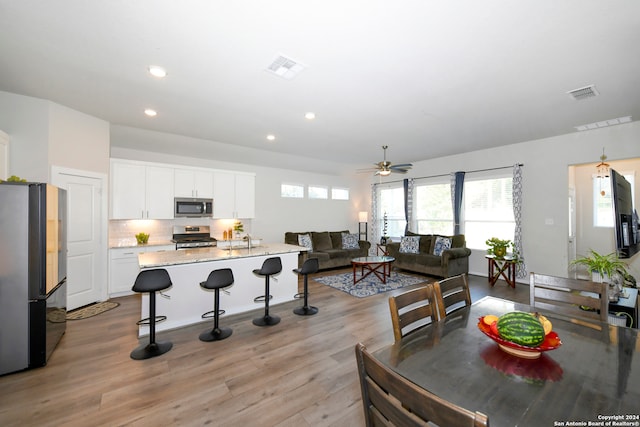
363 216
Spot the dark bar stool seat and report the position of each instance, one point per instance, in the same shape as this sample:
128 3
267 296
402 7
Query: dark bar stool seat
310 266
151 281
270 266
218 279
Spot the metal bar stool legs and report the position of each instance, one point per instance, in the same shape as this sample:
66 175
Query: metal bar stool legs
310 266
269 267
151 281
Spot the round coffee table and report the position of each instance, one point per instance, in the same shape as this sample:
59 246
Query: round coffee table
380 266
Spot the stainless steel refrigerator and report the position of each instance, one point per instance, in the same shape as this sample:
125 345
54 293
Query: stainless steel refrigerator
33 273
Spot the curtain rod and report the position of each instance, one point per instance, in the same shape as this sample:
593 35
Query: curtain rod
448 174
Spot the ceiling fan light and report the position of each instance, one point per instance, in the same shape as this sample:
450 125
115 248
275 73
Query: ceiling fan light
385 172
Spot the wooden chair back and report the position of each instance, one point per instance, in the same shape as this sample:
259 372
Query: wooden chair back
412 310
391 400
573 298
452 294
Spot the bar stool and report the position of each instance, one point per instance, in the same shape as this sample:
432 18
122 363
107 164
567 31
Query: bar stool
217 280
151 281
310 266
270 266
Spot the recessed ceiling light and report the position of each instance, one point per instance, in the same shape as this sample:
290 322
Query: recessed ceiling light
271 137
158 72
310 115
151 113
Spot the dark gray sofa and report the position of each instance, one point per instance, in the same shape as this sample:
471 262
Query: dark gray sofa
452 262
327 247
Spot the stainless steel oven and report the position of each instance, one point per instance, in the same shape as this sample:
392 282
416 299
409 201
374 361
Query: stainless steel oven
192 208
193 236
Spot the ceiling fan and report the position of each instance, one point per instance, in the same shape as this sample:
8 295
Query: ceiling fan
385 167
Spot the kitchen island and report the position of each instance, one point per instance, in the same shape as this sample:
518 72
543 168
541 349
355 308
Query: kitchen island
187 301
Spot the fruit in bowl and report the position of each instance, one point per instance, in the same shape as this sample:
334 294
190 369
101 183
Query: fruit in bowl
521 334
142 238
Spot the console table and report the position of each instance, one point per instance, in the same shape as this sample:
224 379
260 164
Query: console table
505 267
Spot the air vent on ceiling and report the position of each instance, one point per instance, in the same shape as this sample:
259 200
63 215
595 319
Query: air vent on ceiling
284 67
583 93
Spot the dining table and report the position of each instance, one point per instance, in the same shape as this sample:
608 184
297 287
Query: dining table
591 377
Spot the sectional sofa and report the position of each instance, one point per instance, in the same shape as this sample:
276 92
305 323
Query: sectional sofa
330 247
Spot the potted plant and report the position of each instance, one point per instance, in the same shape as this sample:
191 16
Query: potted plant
498 247
602 267
238 228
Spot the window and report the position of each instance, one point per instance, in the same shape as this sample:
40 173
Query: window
391 202
316 192
603 214
340 193
292 190
433 210
488 210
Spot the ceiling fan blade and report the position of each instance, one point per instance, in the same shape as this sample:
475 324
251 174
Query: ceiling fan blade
398 170
403 165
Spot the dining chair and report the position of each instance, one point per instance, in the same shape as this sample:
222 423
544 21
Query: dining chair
574 298
451 294
412 310
390 399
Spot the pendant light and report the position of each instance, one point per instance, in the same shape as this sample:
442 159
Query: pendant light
602 171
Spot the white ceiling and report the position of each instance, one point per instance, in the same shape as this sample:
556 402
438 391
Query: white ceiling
427 77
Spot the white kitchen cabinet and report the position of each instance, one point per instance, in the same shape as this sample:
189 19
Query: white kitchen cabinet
193 183
123 267
233 195
140 191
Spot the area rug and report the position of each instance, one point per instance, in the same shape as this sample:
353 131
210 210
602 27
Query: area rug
91 310
370 285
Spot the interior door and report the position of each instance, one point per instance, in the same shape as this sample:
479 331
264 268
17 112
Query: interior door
86 259
571 249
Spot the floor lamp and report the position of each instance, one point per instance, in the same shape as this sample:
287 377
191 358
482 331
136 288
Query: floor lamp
362 225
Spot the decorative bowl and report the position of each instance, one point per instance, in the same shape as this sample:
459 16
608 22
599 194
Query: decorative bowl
551 342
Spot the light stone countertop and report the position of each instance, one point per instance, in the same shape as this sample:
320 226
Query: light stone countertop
191 256
130 242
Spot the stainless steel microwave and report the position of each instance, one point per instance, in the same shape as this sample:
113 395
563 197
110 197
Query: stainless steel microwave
185 207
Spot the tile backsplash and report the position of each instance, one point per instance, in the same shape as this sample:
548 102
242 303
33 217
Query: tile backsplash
163 229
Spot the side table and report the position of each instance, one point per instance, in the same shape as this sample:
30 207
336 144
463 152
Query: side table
505 267
627 304
381 250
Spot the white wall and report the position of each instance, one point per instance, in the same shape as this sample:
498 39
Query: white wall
44 134
77 140
545 186
26 121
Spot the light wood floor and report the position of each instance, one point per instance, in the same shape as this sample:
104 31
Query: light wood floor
300 372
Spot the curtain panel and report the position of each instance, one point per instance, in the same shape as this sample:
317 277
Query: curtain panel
516 191
457 185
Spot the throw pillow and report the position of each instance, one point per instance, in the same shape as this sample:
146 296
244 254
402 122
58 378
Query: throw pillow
441 245
410 245
305 240
350 241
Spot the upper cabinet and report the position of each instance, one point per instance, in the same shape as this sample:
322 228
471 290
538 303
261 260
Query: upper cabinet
193 183
143 190
234 194
140 191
